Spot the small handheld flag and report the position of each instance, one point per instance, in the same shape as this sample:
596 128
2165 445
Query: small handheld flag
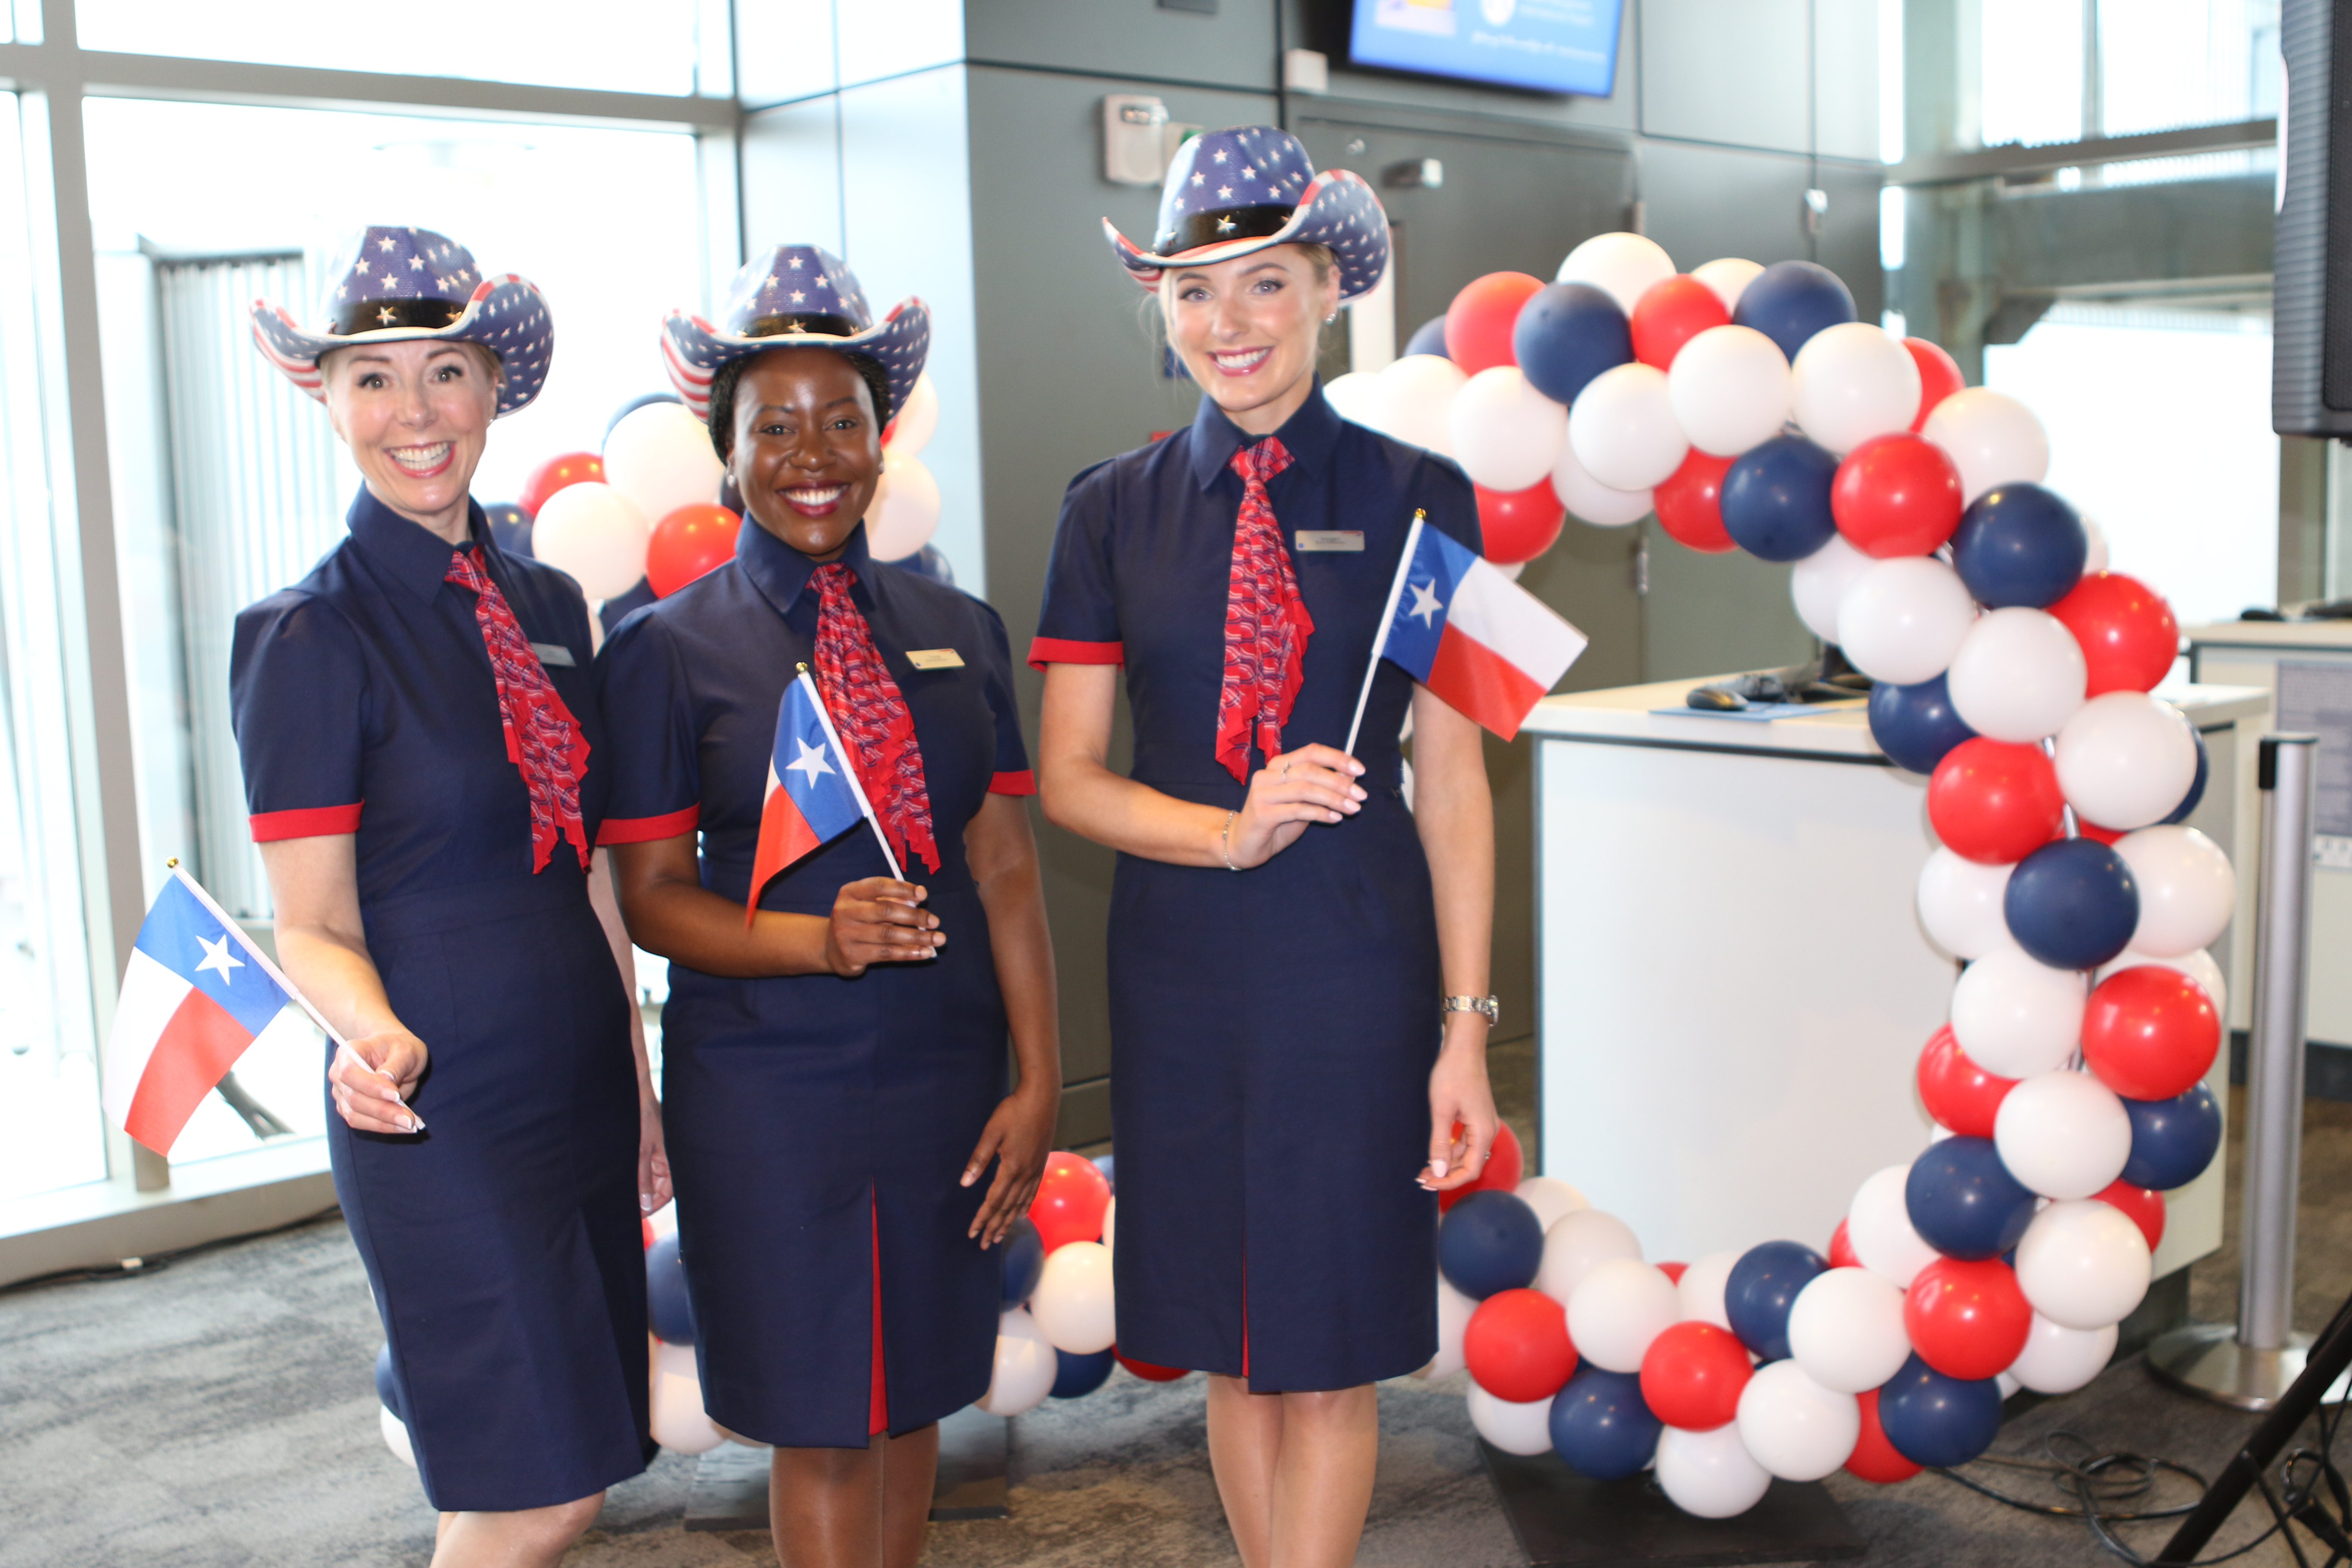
814 795
1486 645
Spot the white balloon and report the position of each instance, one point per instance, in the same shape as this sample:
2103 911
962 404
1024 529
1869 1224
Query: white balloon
1845 1329
1850 382
2015 1016
1700 1288
1904 618
1728 276
1514 1428
1710 1474
1590 499
1624 266
1793 1426
1072 1304
2125 759
2198 965
2186 889
905 509
1575 1243
1550 1197
1506 435
1416 396
2082 1264
660 456
2007 1384
1454 1309
395 1436
1991 437
2059 1360
1960 904
2097 559
1819 582
2064 1134
912 426
679 1422
1355 397
1617 1309
1025 1365
2019 676
1623 428
1729 388
1878 1227
596 533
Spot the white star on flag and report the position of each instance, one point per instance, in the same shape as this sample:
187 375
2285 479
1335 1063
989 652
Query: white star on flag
1425 602
810 762
219 958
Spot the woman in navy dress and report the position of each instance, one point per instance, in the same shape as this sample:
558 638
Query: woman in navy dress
1297 960
834 1046
425 771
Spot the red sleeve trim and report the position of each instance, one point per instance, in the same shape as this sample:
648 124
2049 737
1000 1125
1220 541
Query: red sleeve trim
1043 651
1023 783
646 829
308 822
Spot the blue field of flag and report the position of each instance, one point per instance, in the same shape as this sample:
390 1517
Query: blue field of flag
1436 571
187 939
812 771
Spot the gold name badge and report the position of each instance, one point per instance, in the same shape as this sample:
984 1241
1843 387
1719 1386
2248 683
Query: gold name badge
934 659
1331 538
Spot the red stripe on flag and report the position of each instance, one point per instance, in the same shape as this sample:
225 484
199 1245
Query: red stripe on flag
1481 684
197 1047
784 836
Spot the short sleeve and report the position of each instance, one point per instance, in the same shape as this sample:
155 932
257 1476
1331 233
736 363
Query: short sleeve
1451 503
1079 622
298 701
652 761
1012 774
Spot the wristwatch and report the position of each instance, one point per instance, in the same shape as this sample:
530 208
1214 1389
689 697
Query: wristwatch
1486 1007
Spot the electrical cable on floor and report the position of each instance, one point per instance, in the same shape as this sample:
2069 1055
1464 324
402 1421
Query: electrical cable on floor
155 1262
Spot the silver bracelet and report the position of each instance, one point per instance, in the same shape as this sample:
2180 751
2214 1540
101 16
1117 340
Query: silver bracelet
1225 841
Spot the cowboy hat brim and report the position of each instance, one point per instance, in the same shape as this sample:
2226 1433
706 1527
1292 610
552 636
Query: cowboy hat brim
1335 209
506 314
693 350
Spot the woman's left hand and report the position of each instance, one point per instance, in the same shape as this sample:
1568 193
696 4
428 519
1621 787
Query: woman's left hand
1018 1137
653 1157
1462 1118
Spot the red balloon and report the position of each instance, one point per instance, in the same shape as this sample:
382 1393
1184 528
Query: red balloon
2128 634
1674 1271
1896 495
1995 803
2144 1205
1957 1092
1070 1201
1478 323
1671 313
1939 377
1148 1372
1841 1254
1967 1318
2149 1032
1520 525
563 469
2089 829
1692 1375
1875 1459
1505 1163
1516 1346
1690 502
687 543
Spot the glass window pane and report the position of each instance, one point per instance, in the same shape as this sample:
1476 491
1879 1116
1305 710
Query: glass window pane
2032 88
2169 63
632 46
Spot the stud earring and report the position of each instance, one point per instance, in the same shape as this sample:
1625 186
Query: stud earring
1331 318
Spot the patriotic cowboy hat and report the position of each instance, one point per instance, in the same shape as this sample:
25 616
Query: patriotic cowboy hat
392 285
1230 193
796 296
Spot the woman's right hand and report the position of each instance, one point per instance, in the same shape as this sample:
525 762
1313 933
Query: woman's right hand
372 1077
1313 783
876 919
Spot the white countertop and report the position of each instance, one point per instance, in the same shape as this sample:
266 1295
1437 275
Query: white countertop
2272 634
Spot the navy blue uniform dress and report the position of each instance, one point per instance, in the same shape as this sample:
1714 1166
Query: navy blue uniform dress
1272 1033
504 1242
818 1127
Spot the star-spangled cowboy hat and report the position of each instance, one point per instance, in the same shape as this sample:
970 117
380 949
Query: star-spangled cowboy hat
390 285
796 296
1230 193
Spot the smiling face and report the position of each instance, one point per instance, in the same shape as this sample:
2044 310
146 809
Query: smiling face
1246 330
808 449
415 414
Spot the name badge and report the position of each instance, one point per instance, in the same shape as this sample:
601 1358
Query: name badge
1331 539
556 654
934 659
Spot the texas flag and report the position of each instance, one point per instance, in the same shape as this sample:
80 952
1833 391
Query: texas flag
1486 645
812 795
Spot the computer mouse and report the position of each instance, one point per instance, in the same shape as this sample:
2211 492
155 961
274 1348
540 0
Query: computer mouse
1714 698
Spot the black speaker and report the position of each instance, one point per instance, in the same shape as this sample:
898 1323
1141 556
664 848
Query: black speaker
2311 355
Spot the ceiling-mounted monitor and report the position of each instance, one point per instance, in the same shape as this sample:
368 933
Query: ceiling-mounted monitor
1551 45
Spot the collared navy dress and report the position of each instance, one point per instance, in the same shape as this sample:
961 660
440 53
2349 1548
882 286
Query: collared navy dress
504 1243
1272 1032
818 1127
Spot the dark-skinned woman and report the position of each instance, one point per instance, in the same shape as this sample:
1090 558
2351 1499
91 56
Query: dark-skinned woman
833 1065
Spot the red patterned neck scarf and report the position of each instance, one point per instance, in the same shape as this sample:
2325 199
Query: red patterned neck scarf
872 717
544 741
1267 623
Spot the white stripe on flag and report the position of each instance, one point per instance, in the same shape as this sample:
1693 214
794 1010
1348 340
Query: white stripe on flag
151 994
1514 624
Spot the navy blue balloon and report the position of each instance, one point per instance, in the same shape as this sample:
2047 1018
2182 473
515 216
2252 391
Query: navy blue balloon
510 527
387 1384
1601 1425
1429 338
669 1311
2196 785
1915 725
1789 301
932 564
1024 1261
1566 334
1490 1241
618 608
2072 903
1076 1376
634 404
2020 544
1936 1420
1776 499
1963 1201
1108 1165
2172 1140
1762 1286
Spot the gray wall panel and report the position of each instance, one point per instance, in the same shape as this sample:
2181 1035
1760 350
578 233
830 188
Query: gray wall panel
1734 71
791 176
783 49
1707 615
1845 78
1235 47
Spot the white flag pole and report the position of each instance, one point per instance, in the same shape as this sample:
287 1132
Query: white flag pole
1387 617
816 700
236 934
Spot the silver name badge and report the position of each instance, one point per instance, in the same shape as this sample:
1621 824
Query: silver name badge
554 653
1331 538
934 659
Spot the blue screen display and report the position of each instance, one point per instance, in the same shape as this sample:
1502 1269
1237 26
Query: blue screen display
1556 46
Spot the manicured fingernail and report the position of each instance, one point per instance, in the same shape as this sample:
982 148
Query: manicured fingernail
970 1177
1439 1166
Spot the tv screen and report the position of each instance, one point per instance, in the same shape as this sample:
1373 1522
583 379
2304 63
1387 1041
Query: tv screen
1554 46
